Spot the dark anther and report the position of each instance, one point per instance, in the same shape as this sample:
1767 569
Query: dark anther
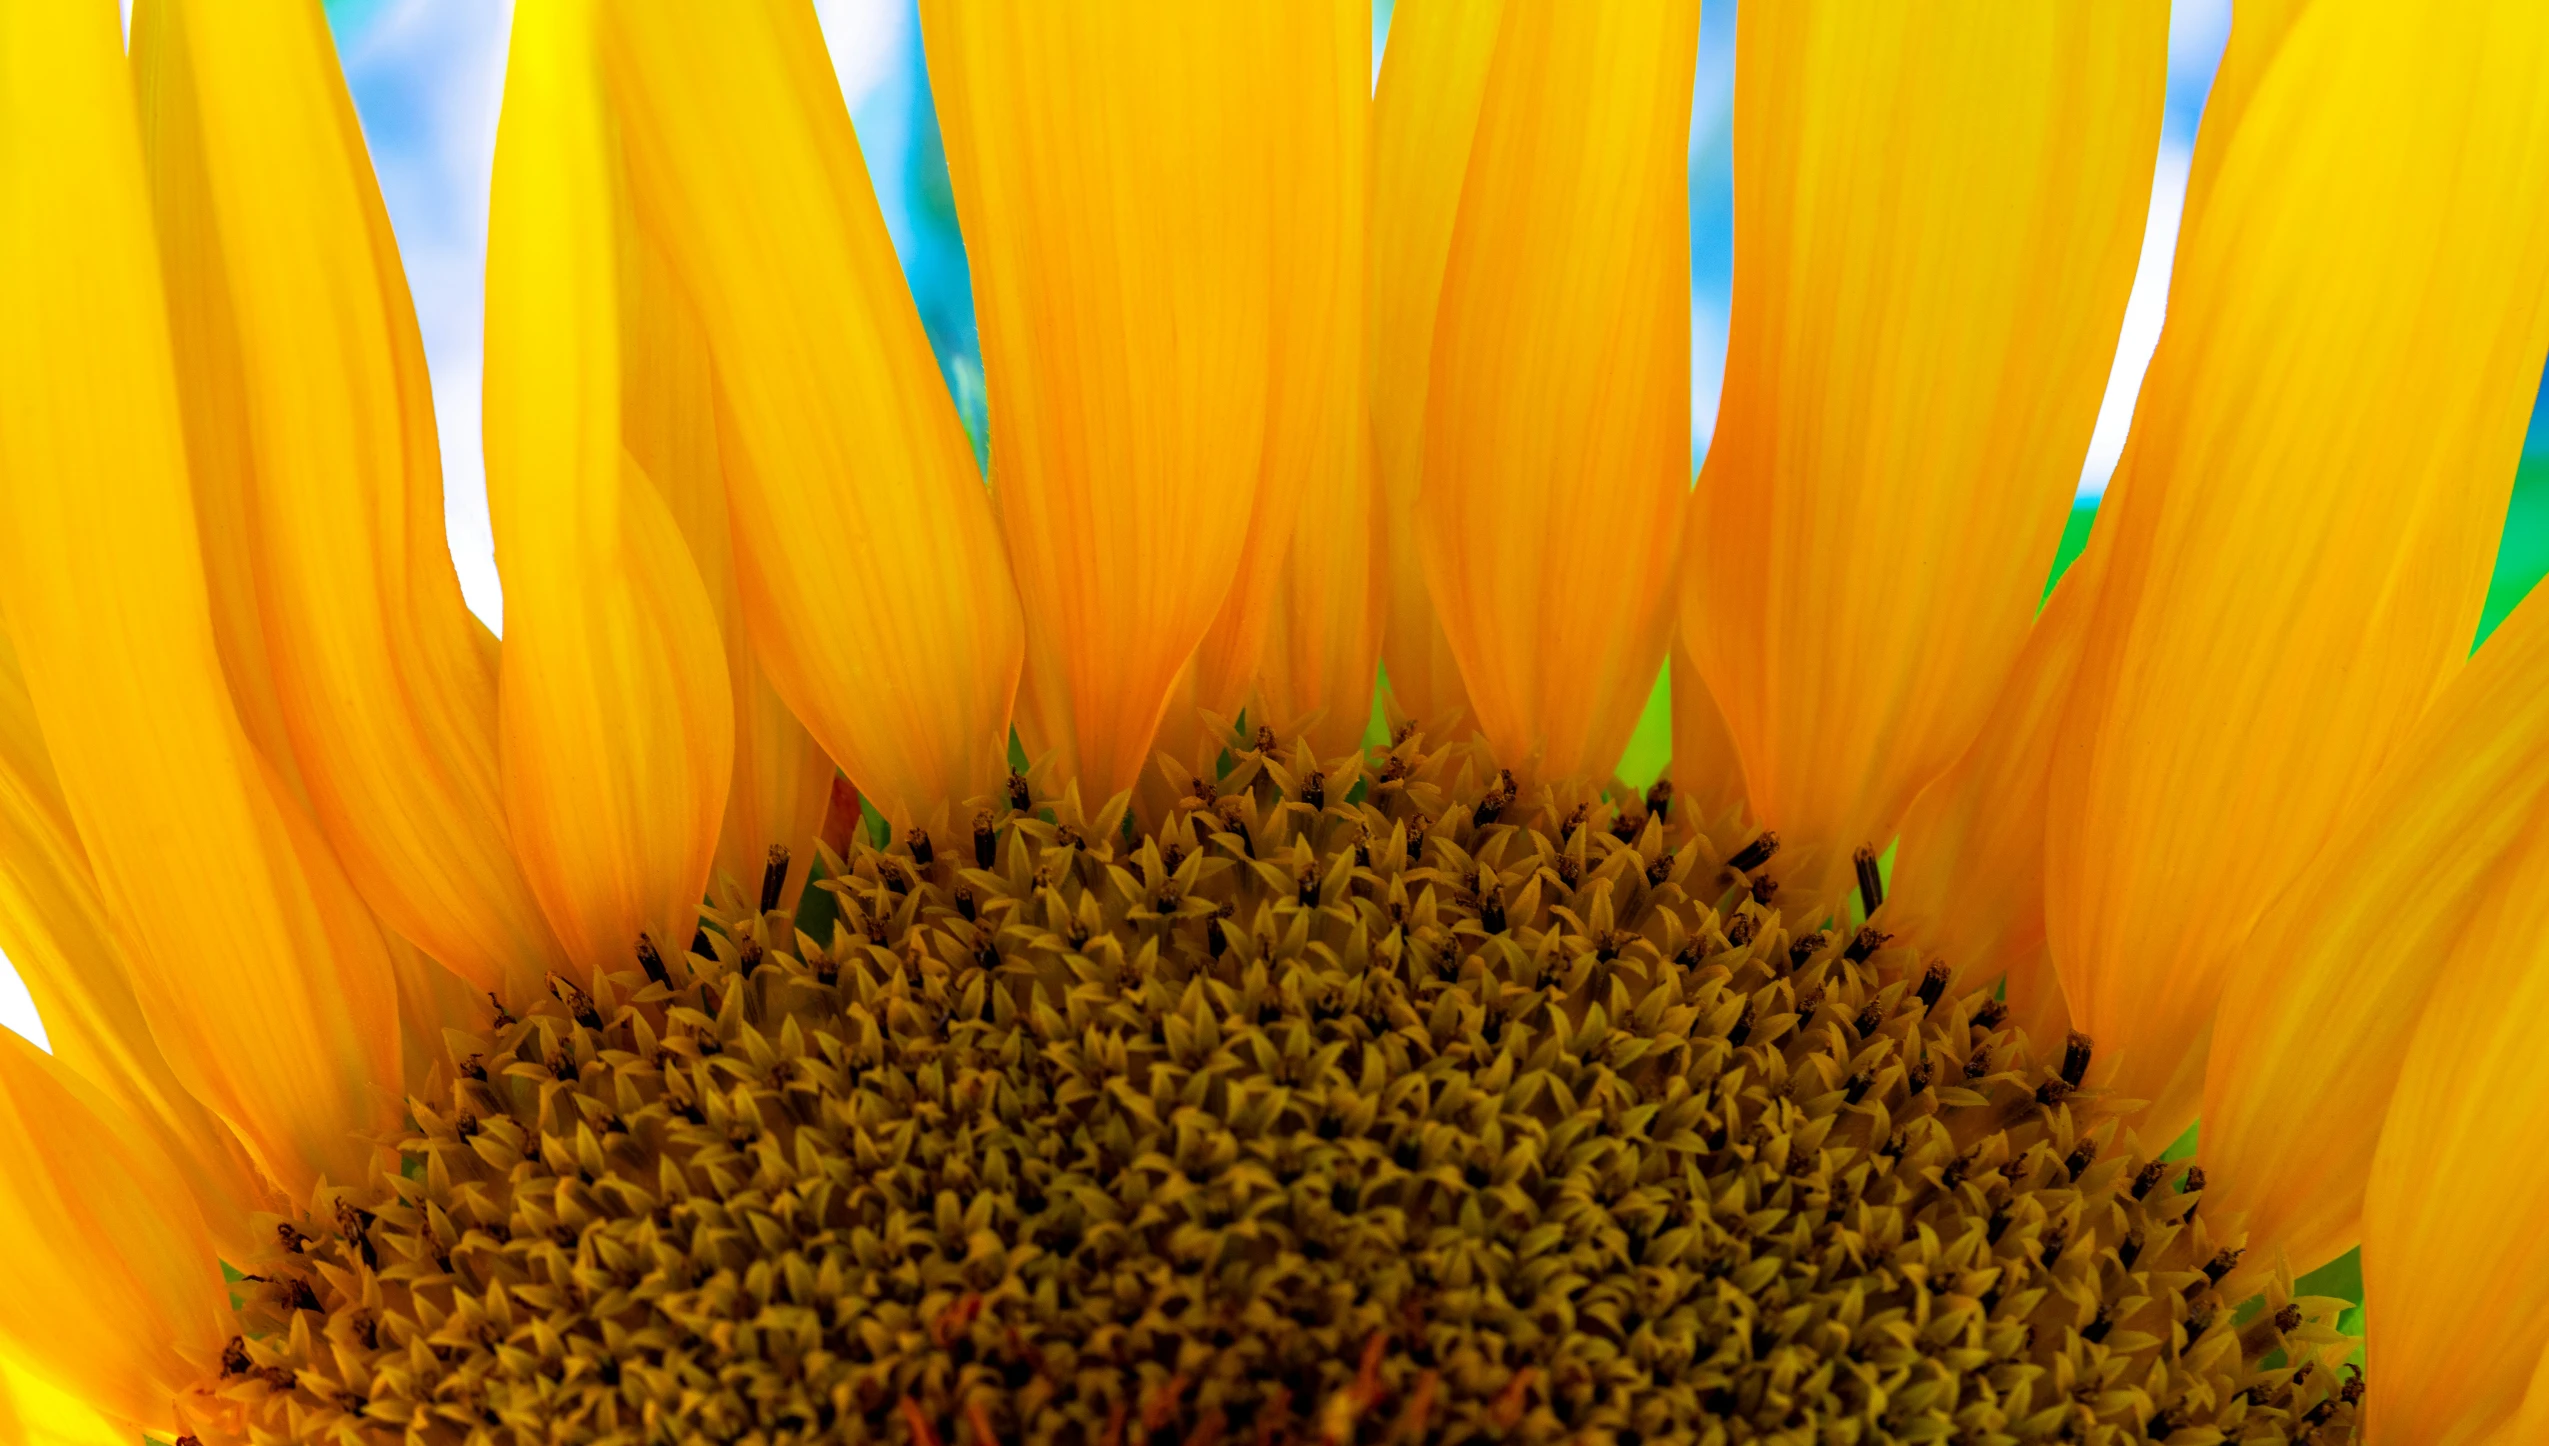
2166 1424
466 1126
504 1016
2129 1250
1996 1226
1314 789
1393 769
2193 1184
2095 1331
2053 1092
1916 1079
1978 1064
2222 1263
1742 1028
291 1238
1740 929
1871 881
1625 825
1574 821
1570 873
1265 739
1933 986
700 945
1660 870
1415 842
1869 1018
1803 949
1764 890
299 1296
1865 942
1753 855
965 906
1306 887
2082 1156
1491 909
2352 1391
1992 1015
2318 1415
2288 1320
2202 1321
1957 1169
474 1067
748 957
986 843
2148 1179
2057 1240
234 1357
1659 799
1807 1004
1214 940
1856 1088
2075 1059
987 957
652 961
579 1003
1019 798
1079 841
1363 850
774 877
922 854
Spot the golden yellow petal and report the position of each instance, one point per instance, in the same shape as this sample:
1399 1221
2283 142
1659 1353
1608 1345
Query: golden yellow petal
55 930
1707 773
871 570
1424 116
1115 169
115 1291
311 431
618 721
1968 885
2452 1248
2256 35
669 416
1937 218
36 1412
1557 419
1315 421
2301 529
1323 633
2347 957
260 973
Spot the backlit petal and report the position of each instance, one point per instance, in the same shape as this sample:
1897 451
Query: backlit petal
36 1412
1937 215
115 1293
618 724
307 404
2347 958
2452 1247
2300 531
1557 422
1323 634
1707 773
871 569
1116 168
1315 422
260 972
1424 116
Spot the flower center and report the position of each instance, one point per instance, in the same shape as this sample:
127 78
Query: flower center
1368 1104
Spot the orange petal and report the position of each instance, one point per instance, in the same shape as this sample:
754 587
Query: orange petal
670 418
618 723
2452 1248
1323 634
311 431
1315 422
261 974
871 570
1424 117
2301 528
2347 958
1937 224
1116 170
115 1293
1707 773
37 1412
1557 421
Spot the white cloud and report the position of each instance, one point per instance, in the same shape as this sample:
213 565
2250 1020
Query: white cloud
866 41
2143 313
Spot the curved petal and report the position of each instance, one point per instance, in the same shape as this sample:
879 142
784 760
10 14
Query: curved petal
1557 419
1315 674
261 974
2301 528
1707 773
1424 117
2452 1247
306 401
2348 956
871 570
618 722
1938 220
1115 170
116 1293
1969 868
36 1412
1314 384
54 929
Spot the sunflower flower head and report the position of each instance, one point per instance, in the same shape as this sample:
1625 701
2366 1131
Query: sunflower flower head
464 1042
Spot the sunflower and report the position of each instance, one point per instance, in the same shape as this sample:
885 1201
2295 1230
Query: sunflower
876 956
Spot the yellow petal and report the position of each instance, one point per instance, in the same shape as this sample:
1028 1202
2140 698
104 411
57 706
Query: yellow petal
1707 773
1968 885
1323 633
2257 33
311 431
2301 529
1115 169
2347 957
1315 423
36 1412
871 570
1557 420
669 415
55 930
618 722
115 1293
1936 224
1424 116
261 974
2452 1248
